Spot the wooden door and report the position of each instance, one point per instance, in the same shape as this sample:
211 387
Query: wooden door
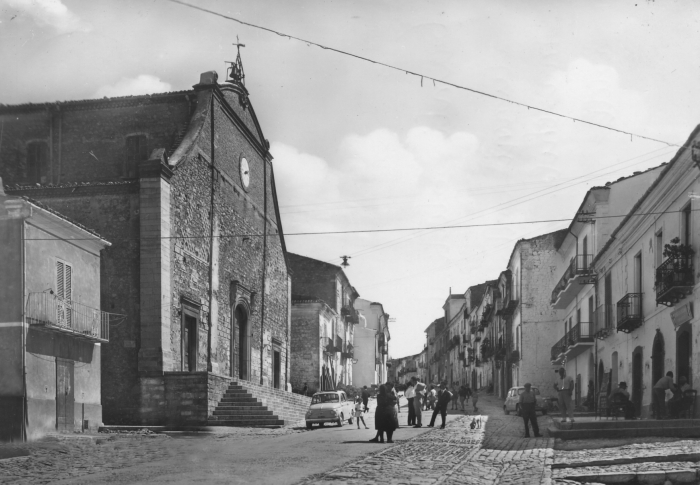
637 380
65 398
276 369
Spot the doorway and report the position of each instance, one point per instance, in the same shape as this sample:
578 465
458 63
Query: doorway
276 367
65 397
243 349
658 354
614 366
637 380
684 352
601 372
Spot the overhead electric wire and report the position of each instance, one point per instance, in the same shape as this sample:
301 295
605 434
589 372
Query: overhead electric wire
358 231
423 76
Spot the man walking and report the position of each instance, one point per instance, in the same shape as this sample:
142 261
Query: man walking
365 399
527 409
419 388
455 396
463 397
441 405
565 387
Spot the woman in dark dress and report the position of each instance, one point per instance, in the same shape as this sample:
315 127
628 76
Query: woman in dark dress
385 417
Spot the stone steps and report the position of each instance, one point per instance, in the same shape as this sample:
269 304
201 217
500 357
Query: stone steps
689 428
247 404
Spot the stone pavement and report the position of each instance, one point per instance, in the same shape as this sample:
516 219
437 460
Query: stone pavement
496 453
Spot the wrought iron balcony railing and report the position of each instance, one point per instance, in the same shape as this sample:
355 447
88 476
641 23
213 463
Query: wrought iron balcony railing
629 312
580 333
603 321
580 265
67 316
559 347
674 280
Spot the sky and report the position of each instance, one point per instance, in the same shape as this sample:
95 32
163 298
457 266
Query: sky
359 146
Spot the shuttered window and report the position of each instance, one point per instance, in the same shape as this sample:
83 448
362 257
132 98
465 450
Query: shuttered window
64 291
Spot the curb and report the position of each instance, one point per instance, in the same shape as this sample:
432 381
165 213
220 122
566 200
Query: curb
631 460
647 477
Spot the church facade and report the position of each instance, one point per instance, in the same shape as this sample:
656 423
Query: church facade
183 185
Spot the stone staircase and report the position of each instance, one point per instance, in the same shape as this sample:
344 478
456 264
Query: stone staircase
251 405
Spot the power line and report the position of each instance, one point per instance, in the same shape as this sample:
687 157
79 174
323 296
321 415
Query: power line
363 231
424 76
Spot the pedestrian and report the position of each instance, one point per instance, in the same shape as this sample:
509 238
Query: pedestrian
565 387
385 419
441 405
410 396
305 390
419 388
659 394
621 397
475 399
455 396
463 396
527 402
396 395
358 412
432 397
365 399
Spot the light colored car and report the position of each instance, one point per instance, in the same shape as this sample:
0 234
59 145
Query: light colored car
330 407
512 404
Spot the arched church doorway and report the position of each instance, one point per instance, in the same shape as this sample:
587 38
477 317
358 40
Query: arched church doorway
637 379
658 354
684 352
243 347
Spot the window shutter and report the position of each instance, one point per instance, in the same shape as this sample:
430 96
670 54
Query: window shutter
68 282
59 279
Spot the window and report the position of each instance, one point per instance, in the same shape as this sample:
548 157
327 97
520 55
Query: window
64 291
135 153
659 248
686 234
190 330
37 162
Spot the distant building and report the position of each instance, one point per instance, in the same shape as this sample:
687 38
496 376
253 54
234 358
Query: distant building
323 326
436 353
52 331
372 344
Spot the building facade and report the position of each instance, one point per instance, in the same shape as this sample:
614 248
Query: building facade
198 261
51 327
324 323
373 338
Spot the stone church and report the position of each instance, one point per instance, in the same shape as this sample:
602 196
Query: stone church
183 186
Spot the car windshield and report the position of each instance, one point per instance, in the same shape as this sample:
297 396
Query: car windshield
321 398
533 389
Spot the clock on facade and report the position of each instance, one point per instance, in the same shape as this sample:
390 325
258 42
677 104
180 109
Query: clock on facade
245 173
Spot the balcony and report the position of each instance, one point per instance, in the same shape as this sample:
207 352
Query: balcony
579 338
603 321
65 316
674 280
559 349
629 312
579 272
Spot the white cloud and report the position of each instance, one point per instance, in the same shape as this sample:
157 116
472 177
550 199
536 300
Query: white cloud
51 13
142 84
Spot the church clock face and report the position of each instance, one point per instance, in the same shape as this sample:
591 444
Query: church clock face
245 173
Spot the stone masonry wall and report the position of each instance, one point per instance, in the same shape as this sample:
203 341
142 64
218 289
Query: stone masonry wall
539 319
305 342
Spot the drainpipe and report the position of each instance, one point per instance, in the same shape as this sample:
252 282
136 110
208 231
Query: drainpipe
211 231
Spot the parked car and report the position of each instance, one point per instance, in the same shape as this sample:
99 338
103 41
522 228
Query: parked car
511 403
330 407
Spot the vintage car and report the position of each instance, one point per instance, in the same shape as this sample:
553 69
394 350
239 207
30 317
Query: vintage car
330 407
513 396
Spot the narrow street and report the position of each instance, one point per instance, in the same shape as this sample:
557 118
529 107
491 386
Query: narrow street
293 455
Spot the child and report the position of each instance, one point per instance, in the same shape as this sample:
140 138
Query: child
358 412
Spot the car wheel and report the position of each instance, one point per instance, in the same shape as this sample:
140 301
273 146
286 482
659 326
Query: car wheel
340 420
321 425
309 425
505 410
350 421
517 410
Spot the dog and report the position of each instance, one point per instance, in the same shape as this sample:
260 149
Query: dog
476 423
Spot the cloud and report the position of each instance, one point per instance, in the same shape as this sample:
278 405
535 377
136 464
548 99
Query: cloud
142 84
51 13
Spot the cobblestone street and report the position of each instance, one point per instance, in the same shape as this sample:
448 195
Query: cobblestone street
496 453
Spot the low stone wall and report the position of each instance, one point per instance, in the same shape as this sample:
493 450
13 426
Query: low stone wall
285 405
